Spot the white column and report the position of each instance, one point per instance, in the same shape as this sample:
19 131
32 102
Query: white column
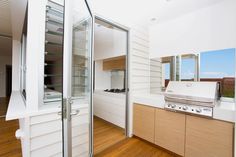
35 54
16 50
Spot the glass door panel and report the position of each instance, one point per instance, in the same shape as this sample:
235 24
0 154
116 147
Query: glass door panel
77 79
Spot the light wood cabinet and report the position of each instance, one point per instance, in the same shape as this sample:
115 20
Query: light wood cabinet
170 131
185 135
209 138
116 63
144 122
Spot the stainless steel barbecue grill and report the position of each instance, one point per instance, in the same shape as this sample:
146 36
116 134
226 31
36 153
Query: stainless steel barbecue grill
191 97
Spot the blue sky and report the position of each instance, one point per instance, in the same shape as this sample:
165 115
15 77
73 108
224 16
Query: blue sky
213 64
217 64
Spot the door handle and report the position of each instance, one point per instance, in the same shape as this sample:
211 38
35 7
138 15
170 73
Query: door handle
73 113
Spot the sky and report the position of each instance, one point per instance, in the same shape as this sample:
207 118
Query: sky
217 64
213 64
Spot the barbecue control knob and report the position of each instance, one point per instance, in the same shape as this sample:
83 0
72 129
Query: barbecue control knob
185 108
198 110
173 106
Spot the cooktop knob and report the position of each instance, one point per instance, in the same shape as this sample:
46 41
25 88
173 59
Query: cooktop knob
198 110
185 108
173 106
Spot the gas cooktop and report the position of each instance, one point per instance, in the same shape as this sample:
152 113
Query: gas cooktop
115 90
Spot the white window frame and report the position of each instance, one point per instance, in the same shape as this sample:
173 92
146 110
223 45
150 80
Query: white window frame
23 66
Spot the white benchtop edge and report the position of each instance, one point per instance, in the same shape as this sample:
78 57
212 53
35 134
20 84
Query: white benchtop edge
16 108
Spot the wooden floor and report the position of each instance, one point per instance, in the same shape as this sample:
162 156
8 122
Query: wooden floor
106 135
9 145
134 147
3 106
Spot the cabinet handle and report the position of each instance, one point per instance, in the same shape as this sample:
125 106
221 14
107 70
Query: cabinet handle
74 112
59 113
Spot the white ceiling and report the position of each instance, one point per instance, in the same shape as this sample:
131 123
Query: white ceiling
5 18
144 10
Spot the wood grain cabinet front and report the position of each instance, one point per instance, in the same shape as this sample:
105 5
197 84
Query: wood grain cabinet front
170 131
116 63
208 137
144 122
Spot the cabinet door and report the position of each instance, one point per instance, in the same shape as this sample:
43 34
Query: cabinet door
116 63
143 122
170 131
207 137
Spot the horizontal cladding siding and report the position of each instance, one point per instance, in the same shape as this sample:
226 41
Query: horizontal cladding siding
155 75
140 63
46 134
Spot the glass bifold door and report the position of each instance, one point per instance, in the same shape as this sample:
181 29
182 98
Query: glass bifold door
67 72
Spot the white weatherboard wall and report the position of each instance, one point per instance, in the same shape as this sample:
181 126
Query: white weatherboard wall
210 28
155 75
139 60
139 66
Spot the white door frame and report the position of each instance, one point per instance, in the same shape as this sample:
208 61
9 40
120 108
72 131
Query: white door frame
127 87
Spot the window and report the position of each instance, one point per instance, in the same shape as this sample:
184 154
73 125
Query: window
53 57
168 72
219 66
189 67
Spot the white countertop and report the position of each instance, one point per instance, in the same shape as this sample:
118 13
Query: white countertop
223 111
16 108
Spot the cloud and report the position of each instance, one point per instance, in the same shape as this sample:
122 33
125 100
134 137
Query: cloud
210 74
187 75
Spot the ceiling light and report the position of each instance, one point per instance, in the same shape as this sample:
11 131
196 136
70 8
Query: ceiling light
153 19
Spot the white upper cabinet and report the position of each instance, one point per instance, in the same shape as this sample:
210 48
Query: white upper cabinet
109 42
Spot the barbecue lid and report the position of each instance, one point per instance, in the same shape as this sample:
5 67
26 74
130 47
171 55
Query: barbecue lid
195 91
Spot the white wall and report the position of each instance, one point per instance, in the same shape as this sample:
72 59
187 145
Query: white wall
210 28
102 78
4 60
109 43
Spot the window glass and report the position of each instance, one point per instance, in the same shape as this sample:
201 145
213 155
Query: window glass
188 68
219 66
166 75
53 58
168 70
